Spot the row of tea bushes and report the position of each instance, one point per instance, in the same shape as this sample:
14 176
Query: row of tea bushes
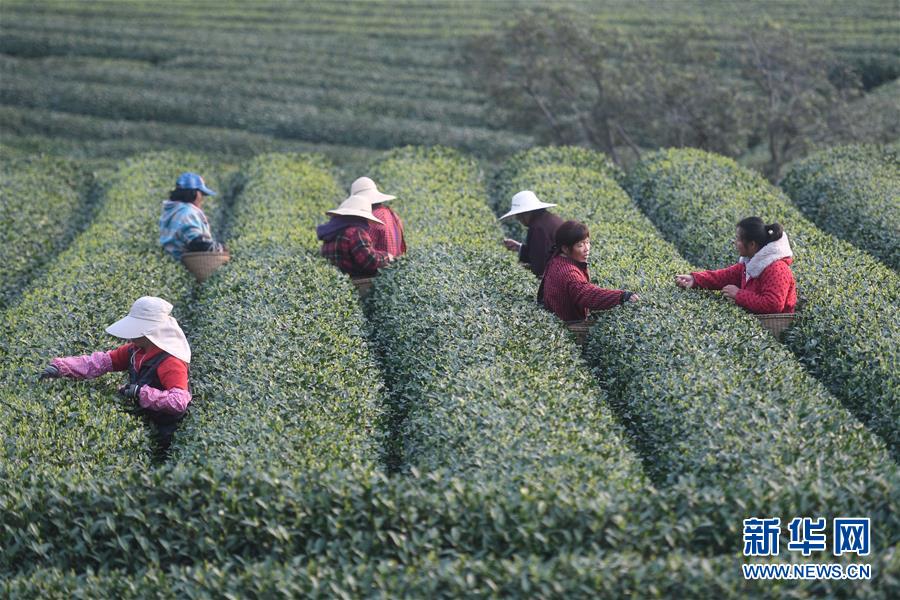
311 123
44 202
205 515
612 575
440 196
282 371
79 427
849 333
467 369
467 356
710 398
852 192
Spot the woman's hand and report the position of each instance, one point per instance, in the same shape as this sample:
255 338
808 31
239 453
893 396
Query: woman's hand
731 291
512 244
634 298
50 372
684 281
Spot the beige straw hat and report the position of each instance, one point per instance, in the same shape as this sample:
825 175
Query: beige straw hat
355 206
150 317
366 188
523 202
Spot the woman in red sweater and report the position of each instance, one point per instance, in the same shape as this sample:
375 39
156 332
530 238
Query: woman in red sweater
156 357
566 289
762 281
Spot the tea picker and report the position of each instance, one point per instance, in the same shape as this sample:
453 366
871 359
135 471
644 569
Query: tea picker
387 236
156 357
762 281
566 289
542 225
184 231
347 244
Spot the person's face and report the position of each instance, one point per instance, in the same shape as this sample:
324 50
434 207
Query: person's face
524 218
580 251
746 249
141 342
198 198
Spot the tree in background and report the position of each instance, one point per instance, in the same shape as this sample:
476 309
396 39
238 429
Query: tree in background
803 93
558 76
548 73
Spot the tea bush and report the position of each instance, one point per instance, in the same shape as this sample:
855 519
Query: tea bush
567 575
852 192
283 373
44 202
440 194
849 333
78 427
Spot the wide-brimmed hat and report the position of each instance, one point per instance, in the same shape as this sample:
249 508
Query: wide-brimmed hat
355 206
150 317
523 202
366 188
192 181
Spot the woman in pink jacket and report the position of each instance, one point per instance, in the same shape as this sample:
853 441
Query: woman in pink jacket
156 357
762 281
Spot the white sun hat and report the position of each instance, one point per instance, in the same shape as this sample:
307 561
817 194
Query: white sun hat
366 188
523 202
151 317
355 206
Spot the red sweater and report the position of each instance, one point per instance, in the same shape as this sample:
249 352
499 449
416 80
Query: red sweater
774 291
172 371
388 237
567 291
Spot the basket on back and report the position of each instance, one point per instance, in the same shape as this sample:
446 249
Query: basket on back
580 329
776 323
363 285
203 264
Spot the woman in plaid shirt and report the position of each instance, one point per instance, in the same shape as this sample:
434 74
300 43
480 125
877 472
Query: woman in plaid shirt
566 289
346 241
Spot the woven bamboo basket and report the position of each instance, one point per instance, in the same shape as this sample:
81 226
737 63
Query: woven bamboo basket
580 329
777 323
203 264
363 285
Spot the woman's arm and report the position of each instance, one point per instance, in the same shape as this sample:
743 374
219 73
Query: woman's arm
716 280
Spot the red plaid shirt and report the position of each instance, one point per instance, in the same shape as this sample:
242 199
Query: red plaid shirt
387 237
567 291
351 251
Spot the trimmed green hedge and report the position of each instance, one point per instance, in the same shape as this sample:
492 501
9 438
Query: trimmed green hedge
440 196
852 192
468 357
568 575
466 365
78 427
849 333
709 397
44 202
282 371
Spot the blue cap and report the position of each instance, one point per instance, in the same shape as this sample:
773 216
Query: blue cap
192 181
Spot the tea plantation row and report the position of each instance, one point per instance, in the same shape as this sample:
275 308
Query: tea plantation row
283 374
848 335
43 203
852 192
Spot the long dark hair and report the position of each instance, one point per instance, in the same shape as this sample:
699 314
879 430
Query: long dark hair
569 234
752 229
182 195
